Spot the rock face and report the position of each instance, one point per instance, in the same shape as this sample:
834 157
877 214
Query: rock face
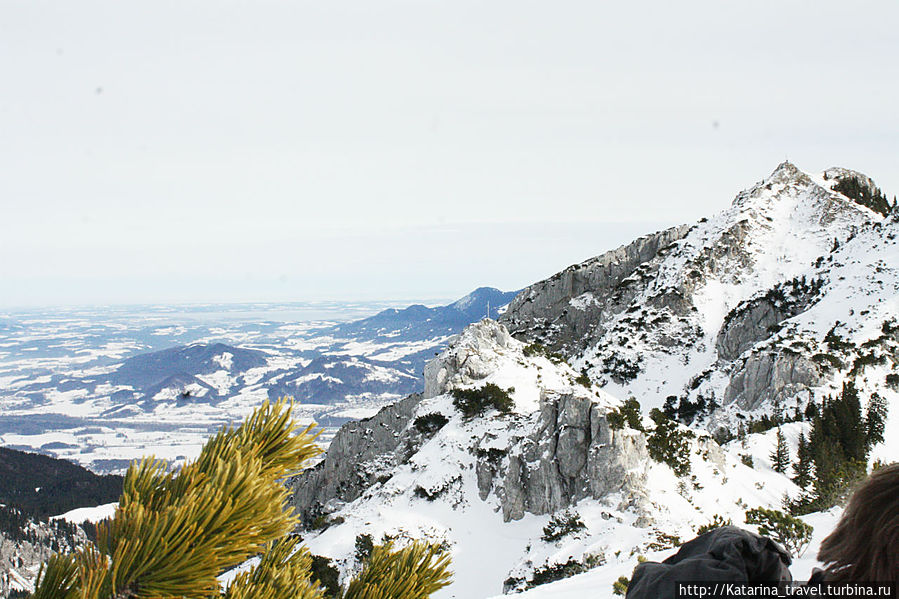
574 303
563 452
708 311
857 187
360 453
759 318
775 301
572 454
468 359
773 378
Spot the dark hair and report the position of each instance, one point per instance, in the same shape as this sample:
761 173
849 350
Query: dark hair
864 547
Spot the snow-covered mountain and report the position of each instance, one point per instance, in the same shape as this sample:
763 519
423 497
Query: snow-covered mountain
744 308
758 311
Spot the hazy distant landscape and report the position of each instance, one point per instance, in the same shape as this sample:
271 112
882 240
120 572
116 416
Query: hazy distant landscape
564 286
101 386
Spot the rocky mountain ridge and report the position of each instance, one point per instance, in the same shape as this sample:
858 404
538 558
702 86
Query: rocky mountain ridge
420 468
767 307
700 310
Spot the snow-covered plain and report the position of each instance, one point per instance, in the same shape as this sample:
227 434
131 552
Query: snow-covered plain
55 397
89 514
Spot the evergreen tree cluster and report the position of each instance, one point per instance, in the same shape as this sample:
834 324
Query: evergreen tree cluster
619 587
717 522
41 486
855 190
686 411
668 443
789 531
628 414
429 424
562 525
538 349
766 422
835 454
622 369
551 572
474 402
17 525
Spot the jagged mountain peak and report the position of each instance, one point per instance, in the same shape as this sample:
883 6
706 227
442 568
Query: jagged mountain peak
485 301
786 169
636 316
789 192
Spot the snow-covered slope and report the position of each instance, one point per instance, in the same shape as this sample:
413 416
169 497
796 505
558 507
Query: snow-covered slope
734 308
487 486
758 311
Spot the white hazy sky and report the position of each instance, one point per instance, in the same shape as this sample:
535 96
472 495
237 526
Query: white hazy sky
293 150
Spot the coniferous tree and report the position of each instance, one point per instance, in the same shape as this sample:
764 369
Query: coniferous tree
797 411
875 416
803 466
811 410
838 445
827 460
847 420
173 534
780 457
778 413
669 444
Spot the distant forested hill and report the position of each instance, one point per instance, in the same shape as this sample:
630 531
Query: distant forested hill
42 486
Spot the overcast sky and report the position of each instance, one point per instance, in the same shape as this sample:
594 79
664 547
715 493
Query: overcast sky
216 150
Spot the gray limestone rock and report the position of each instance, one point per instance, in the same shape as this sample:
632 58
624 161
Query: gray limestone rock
360 453
599 286
571 454
468 358
771 376
618 314
758 319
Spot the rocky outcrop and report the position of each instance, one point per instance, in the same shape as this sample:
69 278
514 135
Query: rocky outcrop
469 359
714 297
572 454
859 188
547 460
571 303
759 318
361 453
771 376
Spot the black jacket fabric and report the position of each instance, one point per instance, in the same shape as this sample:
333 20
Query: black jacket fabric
726 554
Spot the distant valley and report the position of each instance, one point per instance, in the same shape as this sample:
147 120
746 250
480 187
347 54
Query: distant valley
102 387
